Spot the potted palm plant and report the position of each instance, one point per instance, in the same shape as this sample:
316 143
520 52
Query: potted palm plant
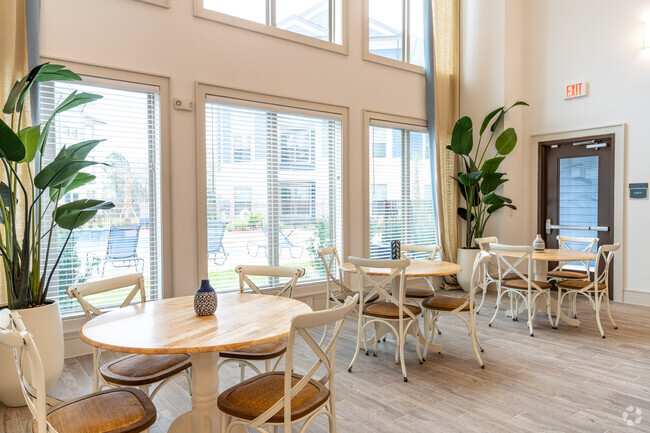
33 207
479 178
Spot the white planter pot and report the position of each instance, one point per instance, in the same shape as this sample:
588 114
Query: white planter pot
44 323
465 258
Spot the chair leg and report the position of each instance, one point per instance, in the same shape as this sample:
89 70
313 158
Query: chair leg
549 313
472 334
95 369
529 299
478 310
427 334
356 352
401 338
496 307
376 339
609 313
600 325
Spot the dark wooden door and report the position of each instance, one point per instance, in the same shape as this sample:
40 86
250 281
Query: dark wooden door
576 191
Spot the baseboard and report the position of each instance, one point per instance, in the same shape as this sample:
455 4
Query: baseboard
637 297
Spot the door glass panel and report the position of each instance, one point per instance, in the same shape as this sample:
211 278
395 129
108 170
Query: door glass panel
578 202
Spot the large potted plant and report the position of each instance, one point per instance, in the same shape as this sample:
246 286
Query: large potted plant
479 178
33 210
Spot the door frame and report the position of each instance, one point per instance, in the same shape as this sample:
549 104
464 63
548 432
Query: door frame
620 144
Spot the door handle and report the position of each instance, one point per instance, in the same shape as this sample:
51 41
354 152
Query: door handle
550 227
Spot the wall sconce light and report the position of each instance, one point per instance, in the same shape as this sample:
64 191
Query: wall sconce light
646 34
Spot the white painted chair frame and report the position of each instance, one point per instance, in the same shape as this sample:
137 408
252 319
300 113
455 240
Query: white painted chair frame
326 358
246 271
81 291
588 246
432 251
406 317
484 244
592 292
527 296
476 284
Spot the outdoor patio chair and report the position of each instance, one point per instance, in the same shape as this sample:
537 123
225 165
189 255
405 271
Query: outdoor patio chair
285 243
216 232
121 249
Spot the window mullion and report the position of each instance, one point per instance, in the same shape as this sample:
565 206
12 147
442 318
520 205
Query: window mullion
152 136
331 15
405 30
406 183
271 16
272 188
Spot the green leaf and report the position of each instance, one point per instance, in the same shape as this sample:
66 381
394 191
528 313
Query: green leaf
495 207
10 145
461 187
82 149
491 182
469 179
487 119
461 136
29 137
77 213
490 166
518 103
462 212
59 172
506 142
10 104
5 194
492 198
50 72
73 100
79 180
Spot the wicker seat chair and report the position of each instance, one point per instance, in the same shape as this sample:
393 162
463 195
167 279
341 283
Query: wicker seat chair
269 351
435 307
429 252
393 313
523 289
141 371
284 398
595 290
124 410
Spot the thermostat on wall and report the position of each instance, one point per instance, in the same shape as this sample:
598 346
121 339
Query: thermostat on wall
639 191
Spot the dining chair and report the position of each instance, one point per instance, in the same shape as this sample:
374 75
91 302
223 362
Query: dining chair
393 313
138 370
561 271
428 252
594 290
438 306
525 288
284 398
490 273
124 410
266 352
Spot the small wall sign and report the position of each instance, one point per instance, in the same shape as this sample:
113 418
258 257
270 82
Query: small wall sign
638 190
575 90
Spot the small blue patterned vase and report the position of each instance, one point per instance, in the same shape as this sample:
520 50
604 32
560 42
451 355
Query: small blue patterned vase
395 250
205 299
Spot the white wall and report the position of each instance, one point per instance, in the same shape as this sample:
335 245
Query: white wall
136 36
543 45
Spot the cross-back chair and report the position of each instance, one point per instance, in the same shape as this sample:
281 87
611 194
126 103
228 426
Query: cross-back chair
491 272
429 252
285 398
124 410
524 289
269 351
137 370
438 306
393 313
594 290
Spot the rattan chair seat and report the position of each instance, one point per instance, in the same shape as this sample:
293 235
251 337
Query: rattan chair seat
578 285
122 410
418 292
523 284
388 310
252 397
342 296
568 274
444 303
136 370
264 351
510 276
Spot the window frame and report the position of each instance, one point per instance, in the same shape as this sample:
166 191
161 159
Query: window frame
368 56
252 99
106 74
379 119
266 29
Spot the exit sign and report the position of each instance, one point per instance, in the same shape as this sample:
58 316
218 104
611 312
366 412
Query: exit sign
575 90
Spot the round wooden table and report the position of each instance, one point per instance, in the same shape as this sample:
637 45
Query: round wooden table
170 326
540 270
417 268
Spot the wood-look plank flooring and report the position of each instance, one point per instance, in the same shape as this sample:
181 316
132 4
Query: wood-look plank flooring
565 380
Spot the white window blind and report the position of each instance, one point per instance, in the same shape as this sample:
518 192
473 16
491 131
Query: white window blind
401 205
318 19
127 238
282 202
396 30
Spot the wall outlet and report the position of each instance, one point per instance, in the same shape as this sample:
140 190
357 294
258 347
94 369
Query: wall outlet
183 104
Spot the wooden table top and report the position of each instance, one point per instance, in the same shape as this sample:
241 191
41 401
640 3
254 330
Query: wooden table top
417 268
555 255
170 325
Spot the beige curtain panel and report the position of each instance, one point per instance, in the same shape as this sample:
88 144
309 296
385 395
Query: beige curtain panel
13 61
446 39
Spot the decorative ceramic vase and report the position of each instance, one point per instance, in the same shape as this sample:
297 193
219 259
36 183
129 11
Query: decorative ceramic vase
395 250
205 299
538 243
44 323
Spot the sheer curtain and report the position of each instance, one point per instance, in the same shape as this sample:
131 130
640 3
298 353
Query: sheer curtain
442 41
